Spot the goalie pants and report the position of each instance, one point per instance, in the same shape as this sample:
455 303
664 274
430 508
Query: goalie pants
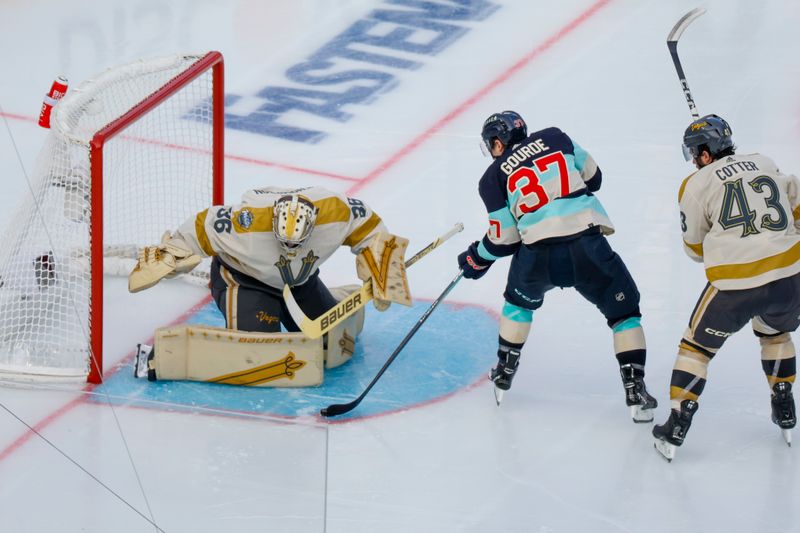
584 261
249 305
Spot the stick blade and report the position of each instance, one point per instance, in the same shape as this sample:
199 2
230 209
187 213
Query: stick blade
337 409
683 23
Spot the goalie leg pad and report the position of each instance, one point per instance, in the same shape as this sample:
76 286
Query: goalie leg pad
217 355
342 338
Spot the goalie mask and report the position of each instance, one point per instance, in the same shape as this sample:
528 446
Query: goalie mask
293 220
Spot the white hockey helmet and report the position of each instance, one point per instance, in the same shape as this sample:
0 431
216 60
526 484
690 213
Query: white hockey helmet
293 219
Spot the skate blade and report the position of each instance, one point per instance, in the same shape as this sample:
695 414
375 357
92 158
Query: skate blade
640 415
498 395
141 366
787 436
666 449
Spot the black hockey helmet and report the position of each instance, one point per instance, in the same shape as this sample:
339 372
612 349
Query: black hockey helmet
711 133
508 126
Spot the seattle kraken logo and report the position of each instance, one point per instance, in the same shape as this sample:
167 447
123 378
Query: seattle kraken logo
285 267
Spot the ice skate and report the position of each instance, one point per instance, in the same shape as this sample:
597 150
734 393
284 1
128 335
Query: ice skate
503 373
783 410
671 434
636 396
141 367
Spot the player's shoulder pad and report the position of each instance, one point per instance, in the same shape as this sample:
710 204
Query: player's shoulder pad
555 138
684 183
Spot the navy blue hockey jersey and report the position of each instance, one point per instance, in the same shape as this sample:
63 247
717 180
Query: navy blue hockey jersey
539 189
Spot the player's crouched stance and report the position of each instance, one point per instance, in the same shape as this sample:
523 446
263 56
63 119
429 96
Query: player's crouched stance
538 193
739 216
274 237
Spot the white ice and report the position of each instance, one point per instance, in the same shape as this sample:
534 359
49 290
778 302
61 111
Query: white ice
561 454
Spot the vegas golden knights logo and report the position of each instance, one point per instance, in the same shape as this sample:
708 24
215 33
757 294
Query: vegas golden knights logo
284 266
380 273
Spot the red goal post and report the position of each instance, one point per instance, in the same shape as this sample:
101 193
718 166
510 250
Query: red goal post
131 153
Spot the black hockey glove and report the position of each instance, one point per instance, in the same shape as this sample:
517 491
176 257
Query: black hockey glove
473 265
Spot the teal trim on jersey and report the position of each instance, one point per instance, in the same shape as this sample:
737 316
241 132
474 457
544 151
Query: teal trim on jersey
562 207
485 254
628 323
580 156
516 313
504 216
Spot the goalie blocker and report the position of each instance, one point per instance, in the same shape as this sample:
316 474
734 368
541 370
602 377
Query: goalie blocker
232 357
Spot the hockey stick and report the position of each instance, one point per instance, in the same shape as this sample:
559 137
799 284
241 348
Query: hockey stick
672 44
342 408
315 328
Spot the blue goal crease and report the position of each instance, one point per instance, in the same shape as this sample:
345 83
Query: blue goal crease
424 371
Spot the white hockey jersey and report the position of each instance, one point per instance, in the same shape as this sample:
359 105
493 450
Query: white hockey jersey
739 216
241 235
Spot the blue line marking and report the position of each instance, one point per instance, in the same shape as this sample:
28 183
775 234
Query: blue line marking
451 351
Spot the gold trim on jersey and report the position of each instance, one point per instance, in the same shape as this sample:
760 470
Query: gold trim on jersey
361 232
202 236
755 268
262 220
696 248
331 210
796 213
684 184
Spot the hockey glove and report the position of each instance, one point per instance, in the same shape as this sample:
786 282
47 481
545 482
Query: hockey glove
472 264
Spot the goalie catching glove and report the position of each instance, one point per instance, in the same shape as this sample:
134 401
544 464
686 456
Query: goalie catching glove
165 260
383 262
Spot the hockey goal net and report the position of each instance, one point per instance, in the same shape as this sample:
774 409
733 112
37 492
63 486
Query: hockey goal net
131 153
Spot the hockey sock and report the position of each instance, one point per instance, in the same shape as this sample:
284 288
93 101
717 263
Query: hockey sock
689 373
629 343
778 358
515 324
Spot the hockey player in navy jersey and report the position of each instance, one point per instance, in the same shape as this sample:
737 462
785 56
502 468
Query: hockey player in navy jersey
542 211
740 217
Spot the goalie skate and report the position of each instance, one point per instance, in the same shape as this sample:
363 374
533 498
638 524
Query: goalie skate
141 367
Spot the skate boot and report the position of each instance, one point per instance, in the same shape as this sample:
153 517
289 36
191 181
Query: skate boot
142 367
671 434
783 411
503 373
636 396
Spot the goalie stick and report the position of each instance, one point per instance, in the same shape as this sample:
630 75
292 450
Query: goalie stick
342 408
317 327
672 44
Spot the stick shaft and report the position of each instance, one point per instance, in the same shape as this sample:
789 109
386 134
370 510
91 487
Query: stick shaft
340 409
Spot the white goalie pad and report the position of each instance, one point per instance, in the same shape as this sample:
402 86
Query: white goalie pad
383 261
341 342
218 355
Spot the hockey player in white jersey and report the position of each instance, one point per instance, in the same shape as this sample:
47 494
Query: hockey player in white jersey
740 217
272 238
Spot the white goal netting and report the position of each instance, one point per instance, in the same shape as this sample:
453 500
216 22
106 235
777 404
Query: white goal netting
155 167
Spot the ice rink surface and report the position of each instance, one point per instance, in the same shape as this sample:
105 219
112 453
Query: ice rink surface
561 454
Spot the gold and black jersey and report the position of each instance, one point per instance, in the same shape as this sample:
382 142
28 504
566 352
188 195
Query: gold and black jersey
241 234
739 216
